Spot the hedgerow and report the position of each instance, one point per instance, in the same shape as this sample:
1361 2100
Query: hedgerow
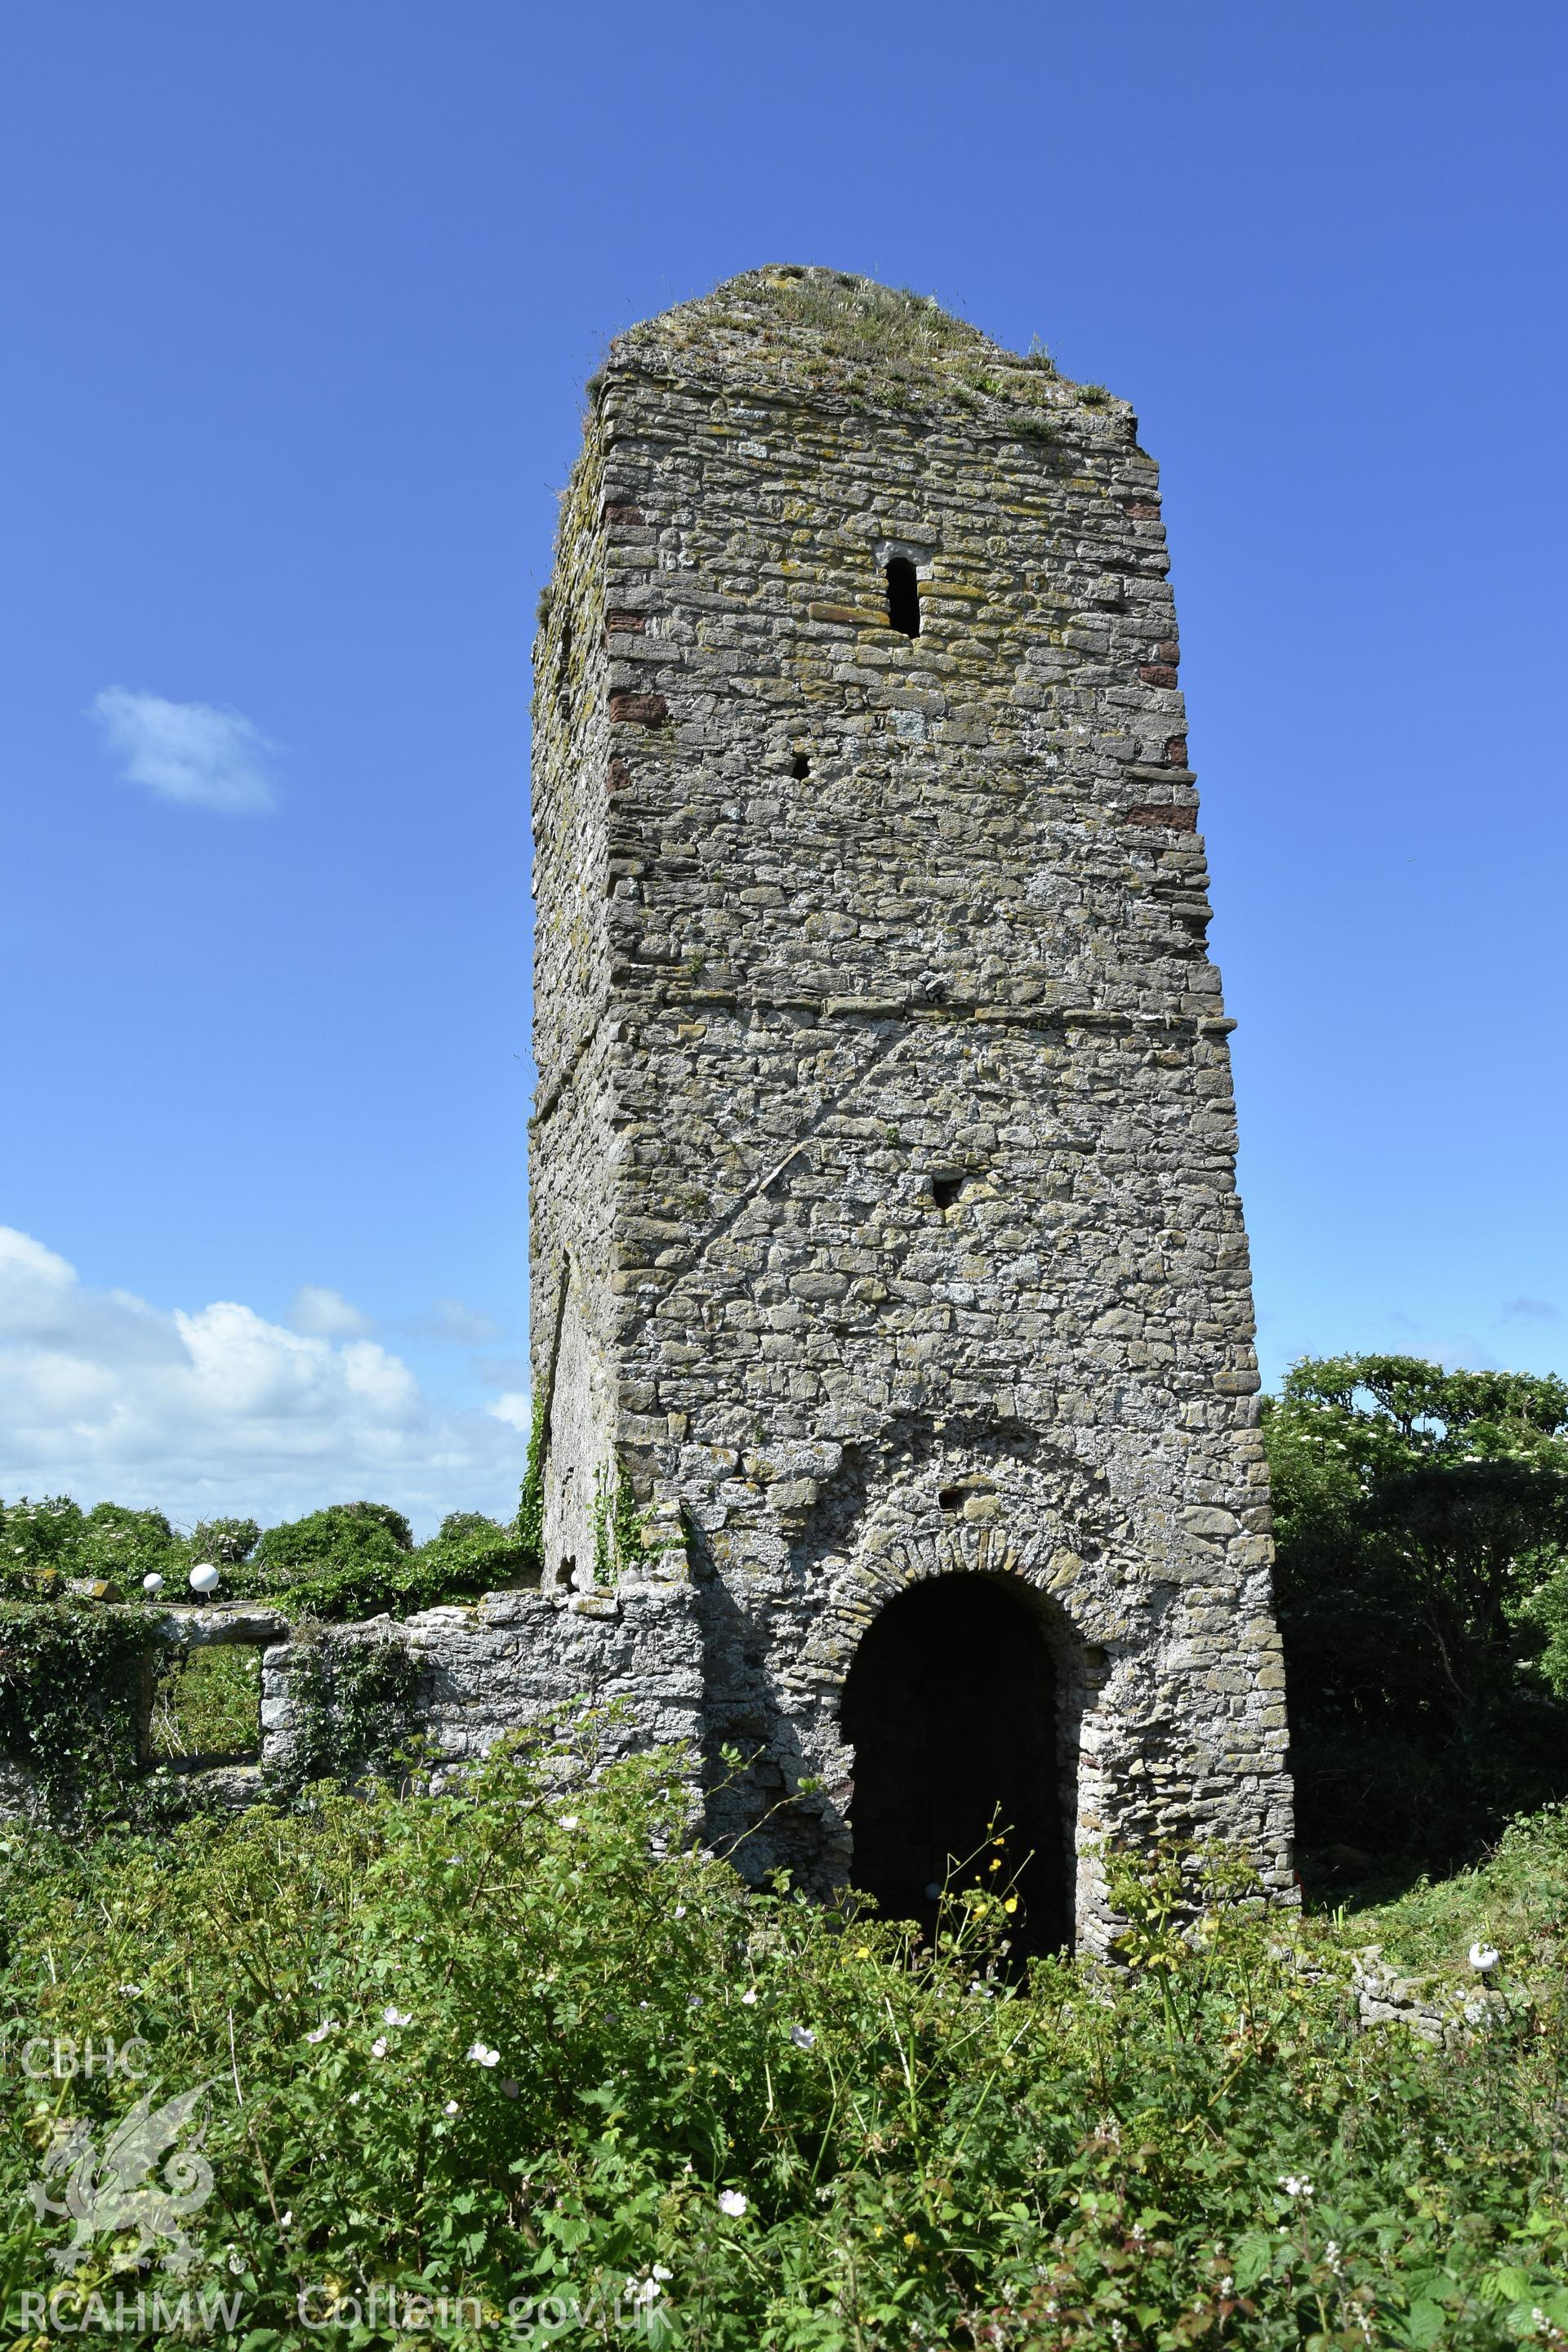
351 1560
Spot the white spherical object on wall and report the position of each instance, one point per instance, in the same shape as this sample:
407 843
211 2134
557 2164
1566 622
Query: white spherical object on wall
204 1577
153 1582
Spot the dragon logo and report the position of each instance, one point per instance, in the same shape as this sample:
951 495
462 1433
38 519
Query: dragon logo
109 2195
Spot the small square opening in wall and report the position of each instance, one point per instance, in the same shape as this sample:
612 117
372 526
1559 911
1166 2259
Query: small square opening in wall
207 1702
945 1190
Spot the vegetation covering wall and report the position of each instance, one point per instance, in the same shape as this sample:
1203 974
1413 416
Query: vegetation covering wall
94 1698
1422 1593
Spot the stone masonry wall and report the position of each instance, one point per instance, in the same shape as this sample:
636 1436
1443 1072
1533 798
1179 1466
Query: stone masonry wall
884 1127
509 1662
572 1309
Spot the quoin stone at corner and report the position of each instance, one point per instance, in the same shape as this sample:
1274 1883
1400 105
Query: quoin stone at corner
892 1313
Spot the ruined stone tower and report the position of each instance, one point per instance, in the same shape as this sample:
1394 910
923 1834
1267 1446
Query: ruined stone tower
892 1316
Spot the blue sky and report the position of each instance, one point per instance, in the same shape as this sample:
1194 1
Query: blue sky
301 300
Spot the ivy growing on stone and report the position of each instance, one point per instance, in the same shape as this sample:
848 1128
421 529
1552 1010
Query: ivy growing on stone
617 1524
70 1702
354 1707
530 1502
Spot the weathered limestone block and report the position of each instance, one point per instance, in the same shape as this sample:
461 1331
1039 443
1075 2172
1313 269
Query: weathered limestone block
516 1660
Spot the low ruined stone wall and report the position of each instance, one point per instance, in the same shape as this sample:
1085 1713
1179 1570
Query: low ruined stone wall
506 1663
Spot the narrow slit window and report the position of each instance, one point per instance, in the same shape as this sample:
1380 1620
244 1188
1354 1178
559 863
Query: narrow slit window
800 767
903 597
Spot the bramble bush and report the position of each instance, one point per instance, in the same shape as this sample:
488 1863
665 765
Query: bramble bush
52 1539
529 2042
357 1560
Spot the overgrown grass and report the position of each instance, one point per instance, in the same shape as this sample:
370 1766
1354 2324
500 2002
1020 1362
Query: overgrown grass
895 344
1517 1901
207 1702
524 2043
857 319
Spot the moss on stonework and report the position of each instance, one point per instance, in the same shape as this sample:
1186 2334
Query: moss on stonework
829 329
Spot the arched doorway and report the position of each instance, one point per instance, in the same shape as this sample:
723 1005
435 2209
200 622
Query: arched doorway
949 1705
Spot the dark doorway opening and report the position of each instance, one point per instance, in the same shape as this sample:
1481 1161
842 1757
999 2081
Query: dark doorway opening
903 596
949 1705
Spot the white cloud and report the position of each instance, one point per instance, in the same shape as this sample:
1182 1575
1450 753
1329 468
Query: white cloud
104 1396
326 1314
187 752
450 1319
515 1408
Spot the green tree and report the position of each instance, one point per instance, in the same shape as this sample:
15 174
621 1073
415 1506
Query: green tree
344 1535
1422 1524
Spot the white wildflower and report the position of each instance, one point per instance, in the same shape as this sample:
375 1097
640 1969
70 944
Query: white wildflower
483 2056
328 2025
802 2037
378 2047
570 1821
450 2108
748 1999
391 2016
1297 2185
730 2201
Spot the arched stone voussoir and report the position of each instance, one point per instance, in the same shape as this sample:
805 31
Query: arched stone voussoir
1006 1520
